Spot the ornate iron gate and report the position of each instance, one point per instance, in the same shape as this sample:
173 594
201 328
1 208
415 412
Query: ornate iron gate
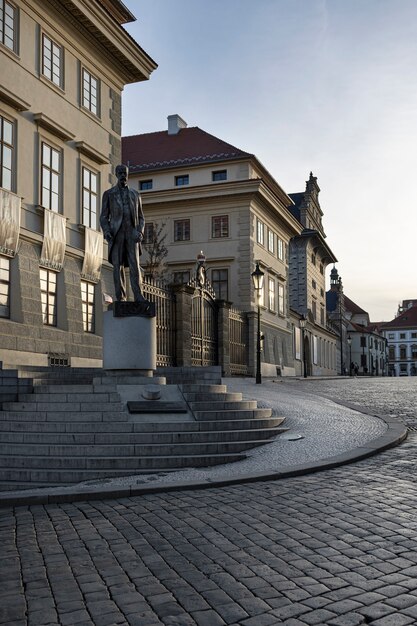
158 292
203 323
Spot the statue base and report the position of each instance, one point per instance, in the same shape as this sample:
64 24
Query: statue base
129 341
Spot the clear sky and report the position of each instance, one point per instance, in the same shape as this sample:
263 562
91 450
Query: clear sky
328 86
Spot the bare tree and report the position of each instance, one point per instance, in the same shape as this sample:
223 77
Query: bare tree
156 249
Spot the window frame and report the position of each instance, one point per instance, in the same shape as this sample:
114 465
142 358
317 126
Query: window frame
58 173
280 248
271 294
176 275
6 146
4 4
90 106
91 194
222 229
148 232
88 306
281 299
4 286
185 236
271 241
146 185
260 232
49 318
182 180
218 175
220 284
54 45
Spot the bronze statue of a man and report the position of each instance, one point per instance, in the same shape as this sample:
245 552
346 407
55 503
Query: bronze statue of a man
122 222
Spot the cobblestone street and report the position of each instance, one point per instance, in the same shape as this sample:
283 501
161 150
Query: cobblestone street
334 548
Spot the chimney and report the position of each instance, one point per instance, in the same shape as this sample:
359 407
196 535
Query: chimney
175 123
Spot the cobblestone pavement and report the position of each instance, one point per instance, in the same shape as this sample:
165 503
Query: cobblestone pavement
334 548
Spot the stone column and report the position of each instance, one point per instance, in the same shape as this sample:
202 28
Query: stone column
223 308
183 298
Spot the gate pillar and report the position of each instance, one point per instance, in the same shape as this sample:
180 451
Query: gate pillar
183 336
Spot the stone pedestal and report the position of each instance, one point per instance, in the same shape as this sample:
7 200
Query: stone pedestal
129 343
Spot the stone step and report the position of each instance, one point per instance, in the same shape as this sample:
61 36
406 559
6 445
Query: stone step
114 428
59 388
69 397
69 407
215 405
42 466
232 415
217 397
133 438
119 452
195 388
86 416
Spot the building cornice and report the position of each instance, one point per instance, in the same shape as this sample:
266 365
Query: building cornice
91 18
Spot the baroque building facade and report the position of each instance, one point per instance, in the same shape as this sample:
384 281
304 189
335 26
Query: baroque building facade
207 195
401 336
64 66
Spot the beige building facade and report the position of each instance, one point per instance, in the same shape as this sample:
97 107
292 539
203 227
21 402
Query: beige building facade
64 66
215 198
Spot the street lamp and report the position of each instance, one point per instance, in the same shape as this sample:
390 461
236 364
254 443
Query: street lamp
349 341
303 323
258 283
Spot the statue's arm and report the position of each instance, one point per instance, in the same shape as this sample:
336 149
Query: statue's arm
105 216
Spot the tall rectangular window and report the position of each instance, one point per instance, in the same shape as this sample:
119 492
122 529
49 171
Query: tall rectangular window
51 177
90 92
4 286
281 299
314 309
8 25
7 142
271 294
180 181
260 232
220 226
182 230
87 300
297 342
280 249
52 61
148 233
220 283
271 241
90 196
48 296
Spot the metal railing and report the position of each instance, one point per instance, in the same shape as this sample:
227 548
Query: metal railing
158 292
238 342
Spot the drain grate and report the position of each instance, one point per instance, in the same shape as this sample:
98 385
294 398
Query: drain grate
412 429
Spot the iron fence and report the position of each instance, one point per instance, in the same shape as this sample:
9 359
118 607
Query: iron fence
162 295
238 342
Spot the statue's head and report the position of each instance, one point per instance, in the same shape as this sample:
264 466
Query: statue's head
122 173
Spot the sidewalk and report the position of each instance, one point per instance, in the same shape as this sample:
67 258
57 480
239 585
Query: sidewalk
322 434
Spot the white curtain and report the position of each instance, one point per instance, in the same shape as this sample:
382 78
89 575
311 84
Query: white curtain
93 256
9 222
54 240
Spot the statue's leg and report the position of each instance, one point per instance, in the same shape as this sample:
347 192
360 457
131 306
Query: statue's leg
119 278
135 278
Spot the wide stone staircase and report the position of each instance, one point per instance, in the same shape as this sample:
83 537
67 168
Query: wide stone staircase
62 426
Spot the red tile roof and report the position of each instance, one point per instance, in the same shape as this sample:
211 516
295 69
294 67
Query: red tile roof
407 319
190 146
352 307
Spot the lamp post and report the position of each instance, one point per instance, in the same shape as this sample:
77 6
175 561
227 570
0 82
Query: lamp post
349 342
303 322
258 281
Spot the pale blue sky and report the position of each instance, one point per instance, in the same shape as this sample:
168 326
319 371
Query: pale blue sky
328 86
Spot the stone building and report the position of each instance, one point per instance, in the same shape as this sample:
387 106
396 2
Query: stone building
213 197
309 256
401 335
361 346
64 66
